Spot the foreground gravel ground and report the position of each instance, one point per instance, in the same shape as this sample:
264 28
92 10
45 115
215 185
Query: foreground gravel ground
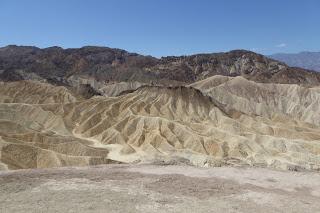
150 188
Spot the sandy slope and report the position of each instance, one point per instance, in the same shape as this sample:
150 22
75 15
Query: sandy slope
266 100
34 92
224 121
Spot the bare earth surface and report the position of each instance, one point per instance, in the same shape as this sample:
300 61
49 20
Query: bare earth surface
217 121
151 188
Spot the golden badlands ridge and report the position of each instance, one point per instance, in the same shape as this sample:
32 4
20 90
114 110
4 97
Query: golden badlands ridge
217 121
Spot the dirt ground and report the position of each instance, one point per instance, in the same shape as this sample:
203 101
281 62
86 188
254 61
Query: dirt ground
151 188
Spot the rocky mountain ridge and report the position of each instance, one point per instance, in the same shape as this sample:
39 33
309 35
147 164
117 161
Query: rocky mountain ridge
105 65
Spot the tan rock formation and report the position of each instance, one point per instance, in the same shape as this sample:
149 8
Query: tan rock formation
217 121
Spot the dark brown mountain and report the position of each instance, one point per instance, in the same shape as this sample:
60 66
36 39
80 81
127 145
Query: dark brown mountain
103 64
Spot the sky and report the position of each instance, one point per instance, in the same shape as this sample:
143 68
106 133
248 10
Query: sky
164 27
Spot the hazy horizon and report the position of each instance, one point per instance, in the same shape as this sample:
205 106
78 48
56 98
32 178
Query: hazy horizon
141 53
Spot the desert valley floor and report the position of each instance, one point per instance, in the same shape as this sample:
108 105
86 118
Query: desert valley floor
151 188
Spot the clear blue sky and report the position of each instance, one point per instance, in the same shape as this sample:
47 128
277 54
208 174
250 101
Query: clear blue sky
164 27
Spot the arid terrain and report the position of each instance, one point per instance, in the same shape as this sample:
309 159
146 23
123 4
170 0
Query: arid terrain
150 188
224 132
214 122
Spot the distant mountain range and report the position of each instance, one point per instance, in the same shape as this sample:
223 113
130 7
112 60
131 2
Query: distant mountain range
72 66
307 60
